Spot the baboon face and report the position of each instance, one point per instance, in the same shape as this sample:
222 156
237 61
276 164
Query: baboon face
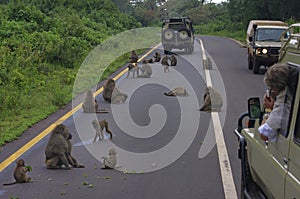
112 152
20 163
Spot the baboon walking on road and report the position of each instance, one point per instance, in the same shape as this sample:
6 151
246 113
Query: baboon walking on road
99 127
212 100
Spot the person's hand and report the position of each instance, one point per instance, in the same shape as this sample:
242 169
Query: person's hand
264 138
268 102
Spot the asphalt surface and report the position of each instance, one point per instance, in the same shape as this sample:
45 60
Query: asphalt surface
157 138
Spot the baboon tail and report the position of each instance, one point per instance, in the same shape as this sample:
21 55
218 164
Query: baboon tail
7 184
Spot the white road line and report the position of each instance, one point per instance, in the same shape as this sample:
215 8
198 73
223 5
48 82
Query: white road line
226 173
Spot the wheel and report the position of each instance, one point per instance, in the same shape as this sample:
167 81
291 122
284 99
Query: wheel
167 51
250 63
183 34
256 66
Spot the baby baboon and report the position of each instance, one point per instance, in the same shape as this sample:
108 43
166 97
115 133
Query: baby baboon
99 127
108 89
133 57
145 69
133 68
179 91
20 173
110 161
212 100
157 57
165 63
173 60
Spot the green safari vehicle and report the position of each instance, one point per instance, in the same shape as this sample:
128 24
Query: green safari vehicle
272 169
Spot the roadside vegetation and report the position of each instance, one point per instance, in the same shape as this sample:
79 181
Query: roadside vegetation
43 43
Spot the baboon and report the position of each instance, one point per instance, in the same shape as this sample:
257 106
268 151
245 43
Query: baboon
133 68
20 173
118 97
179 91
90 104
99 126
165 63
58 149
146 70
113 94
108 89
173 60
212 100
157 57
133 57
150 61
110 161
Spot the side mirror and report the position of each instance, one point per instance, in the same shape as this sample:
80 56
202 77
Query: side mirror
254 109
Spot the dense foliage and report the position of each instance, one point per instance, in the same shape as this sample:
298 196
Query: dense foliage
43 43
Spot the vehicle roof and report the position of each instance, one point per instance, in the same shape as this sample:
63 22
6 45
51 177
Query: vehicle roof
265 23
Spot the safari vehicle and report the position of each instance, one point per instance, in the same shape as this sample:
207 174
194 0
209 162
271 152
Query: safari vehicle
263 43
178 33
272 169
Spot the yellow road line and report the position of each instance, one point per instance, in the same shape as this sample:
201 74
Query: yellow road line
44 133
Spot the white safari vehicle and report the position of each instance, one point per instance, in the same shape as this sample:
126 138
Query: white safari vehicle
272 170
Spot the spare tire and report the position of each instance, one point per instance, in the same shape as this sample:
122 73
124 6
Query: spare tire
168 34
184 34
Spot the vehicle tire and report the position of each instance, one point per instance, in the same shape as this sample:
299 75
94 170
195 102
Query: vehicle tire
250 62
256 66
167 51
168 35
184 34
248 178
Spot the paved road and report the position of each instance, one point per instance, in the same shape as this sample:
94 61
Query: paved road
157 138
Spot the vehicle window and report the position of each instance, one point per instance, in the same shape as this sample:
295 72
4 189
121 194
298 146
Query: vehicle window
175 26
269 34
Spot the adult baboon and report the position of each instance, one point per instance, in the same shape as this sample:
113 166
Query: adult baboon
118 97
58 149
20 173
133 68
150 61
165 63
99 127
133 57
89 104
110 161
212 100
157 57
179 91
108 89
146 70
173 60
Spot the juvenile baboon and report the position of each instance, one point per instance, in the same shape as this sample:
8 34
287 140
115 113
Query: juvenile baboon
173 60
212 100
20 173
110 161
99 127
113 94
108 89
165 63
157 57
133 57
179 91
58 149
133 68
146 70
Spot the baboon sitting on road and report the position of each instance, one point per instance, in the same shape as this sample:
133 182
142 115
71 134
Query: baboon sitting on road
20 173
212 100
165 63
99 127
58 149
113 94
173 60
110 161
133 57
145 69
90 105
157 57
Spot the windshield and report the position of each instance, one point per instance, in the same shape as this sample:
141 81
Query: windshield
269 34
